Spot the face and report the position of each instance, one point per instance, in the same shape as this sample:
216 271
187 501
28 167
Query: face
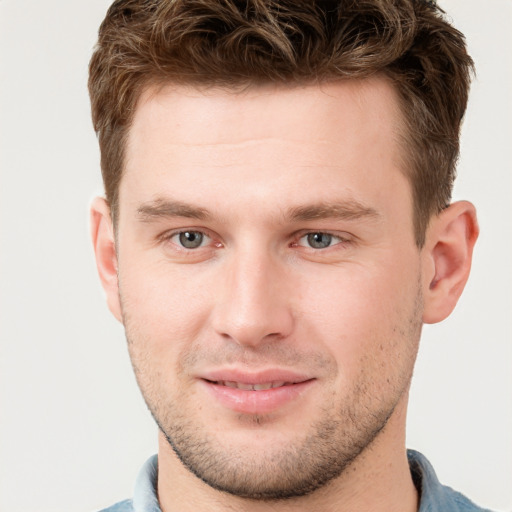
269 281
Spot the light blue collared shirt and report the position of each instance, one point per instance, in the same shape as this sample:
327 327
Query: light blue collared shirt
434 497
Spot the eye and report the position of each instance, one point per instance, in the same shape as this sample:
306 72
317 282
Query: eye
319 240
190 239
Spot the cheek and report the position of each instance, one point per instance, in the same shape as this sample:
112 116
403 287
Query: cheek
166 308
361 313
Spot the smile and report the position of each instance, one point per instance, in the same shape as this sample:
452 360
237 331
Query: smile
252 387
255 394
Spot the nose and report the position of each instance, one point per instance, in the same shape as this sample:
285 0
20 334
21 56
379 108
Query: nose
253 303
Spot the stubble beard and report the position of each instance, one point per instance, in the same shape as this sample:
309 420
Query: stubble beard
294 471
333 443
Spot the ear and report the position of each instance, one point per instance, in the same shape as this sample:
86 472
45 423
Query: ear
448 252
103 239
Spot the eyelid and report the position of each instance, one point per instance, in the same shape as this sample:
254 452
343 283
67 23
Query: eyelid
167 236
343 237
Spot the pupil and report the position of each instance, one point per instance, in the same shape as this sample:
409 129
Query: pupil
319 240
191 239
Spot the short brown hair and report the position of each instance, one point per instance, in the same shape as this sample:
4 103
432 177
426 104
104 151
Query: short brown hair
233 43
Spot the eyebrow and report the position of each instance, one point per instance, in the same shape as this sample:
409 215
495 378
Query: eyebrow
345 210
162 208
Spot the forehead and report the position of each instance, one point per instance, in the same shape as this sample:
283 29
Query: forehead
270 145
309 111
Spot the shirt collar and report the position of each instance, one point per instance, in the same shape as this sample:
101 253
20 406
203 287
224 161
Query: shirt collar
145 497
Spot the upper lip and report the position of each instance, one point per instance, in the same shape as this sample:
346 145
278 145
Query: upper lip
254 377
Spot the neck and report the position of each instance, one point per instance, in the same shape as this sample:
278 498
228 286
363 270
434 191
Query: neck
379 479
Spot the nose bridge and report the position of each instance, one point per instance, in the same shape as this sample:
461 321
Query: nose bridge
254 305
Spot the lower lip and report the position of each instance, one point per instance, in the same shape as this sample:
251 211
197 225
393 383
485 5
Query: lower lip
257 402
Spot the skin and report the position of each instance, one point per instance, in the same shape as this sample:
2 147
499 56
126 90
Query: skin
254 173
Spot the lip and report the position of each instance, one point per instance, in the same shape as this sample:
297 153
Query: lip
291 386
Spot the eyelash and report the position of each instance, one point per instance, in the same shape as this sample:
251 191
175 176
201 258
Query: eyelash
332 237
168 236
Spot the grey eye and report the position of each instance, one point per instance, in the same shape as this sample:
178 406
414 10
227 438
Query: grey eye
191 239
319 240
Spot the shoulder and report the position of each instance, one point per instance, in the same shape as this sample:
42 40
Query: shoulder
122 506
466 505
434 496
461 503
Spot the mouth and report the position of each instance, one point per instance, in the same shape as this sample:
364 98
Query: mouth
257 393
251 387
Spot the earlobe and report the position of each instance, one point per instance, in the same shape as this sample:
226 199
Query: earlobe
447 259
102 234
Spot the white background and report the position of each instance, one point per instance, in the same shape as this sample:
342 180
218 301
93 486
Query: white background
73 428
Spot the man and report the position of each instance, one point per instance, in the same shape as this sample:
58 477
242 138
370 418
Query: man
277 227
